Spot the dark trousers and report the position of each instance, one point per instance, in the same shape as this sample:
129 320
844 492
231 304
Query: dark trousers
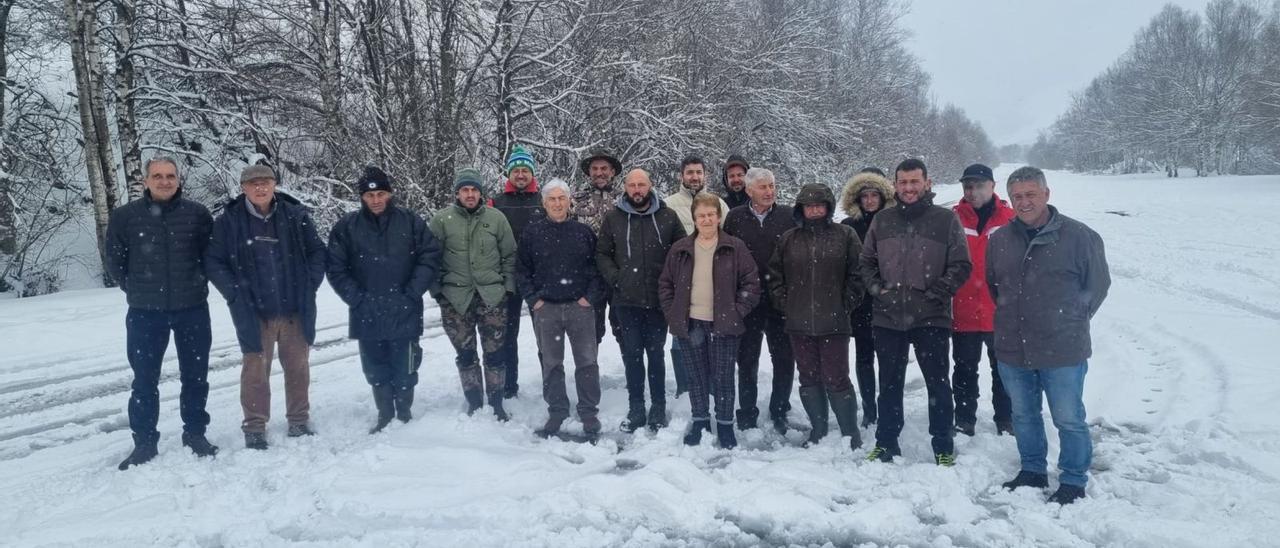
552 324
967 354
763 323
511 343
709 360
147 333
644 332
864 368
931 354
392 362
823 361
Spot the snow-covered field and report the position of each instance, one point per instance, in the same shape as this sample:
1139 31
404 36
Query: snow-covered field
1180 393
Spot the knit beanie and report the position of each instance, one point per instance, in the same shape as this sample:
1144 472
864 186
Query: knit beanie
373 179
521 158
467 176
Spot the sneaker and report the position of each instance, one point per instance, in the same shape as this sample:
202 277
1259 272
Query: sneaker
142 453
945 459
1004 427
966 428
882 454
657 417
299 430
1067 494
255 440
1027 479
199 445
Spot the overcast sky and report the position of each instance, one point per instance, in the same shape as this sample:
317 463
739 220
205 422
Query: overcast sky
1012 65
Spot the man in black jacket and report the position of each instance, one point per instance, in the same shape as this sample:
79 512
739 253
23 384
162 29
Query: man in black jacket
520 203
633 245
155 251
556 274
760 224
267 261
382 260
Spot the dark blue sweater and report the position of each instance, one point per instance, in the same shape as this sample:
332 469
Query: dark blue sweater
557 263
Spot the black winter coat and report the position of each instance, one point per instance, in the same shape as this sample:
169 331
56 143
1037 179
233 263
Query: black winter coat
813 274
155 251
381 266
632 249
761 238
556 263
520 208
231 267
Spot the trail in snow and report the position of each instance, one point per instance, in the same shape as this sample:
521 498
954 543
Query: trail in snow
1180 397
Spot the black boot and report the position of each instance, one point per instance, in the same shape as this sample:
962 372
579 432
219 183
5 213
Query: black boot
845 405
635 419
1067 494
725 436
475 400
657 416
694 435
404 404
143 452
255 440
814 399
747 418
199 444
383 399
779 423
495 401
1027 479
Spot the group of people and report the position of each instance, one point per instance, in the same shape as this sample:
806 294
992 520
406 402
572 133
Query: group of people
720 272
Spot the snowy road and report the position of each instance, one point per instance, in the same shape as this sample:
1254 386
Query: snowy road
1180 393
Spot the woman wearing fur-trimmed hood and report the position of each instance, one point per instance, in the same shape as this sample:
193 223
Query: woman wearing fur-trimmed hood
864 180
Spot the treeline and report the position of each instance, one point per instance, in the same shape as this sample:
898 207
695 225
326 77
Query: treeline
1194 90
814 89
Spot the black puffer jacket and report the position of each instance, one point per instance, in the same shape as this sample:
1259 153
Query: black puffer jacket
232 267
633 247
381 266
155 251
813 274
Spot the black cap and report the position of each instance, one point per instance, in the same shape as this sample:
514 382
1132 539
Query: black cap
373 179
977 172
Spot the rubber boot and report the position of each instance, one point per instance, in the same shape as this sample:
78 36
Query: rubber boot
814 400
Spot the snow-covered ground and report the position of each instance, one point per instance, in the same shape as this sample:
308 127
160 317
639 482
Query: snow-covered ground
1180 393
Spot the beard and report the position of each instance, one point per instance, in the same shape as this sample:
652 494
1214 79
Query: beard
640 203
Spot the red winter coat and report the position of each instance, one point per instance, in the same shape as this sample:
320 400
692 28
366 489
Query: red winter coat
972 308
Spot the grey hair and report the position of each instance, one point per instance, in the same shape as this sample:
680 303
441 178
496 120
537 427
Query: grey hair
757 174
554 184
1025 174
161 159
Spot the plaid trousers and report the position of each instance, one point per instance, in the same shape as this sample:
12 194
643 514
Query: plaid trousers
710 360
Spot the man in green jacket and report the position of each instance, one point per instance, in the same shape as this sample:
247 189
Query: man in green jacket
477 278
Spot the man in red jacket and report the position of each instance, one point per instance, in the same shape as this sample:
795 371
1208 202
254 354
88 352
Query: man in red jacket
981 212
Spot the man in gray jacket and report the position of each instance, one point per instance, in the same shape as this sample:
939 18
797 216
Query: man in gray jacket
1048 276
914 259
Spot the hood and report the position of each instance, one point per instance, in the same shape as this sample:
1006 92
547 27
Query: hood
860 182
655 203
814 193
511 188
733 160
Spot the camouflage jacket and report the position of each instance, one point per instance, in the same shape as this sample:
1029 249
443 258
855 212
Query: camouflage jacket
590 204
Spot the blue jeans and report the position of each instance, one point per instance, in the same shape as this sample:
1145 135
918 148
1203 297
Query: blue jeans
1064 387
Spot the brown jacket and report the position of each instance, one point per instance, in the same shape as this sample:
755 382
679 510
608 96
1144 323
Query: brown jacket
813 274
918 253
735 291
1046 290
